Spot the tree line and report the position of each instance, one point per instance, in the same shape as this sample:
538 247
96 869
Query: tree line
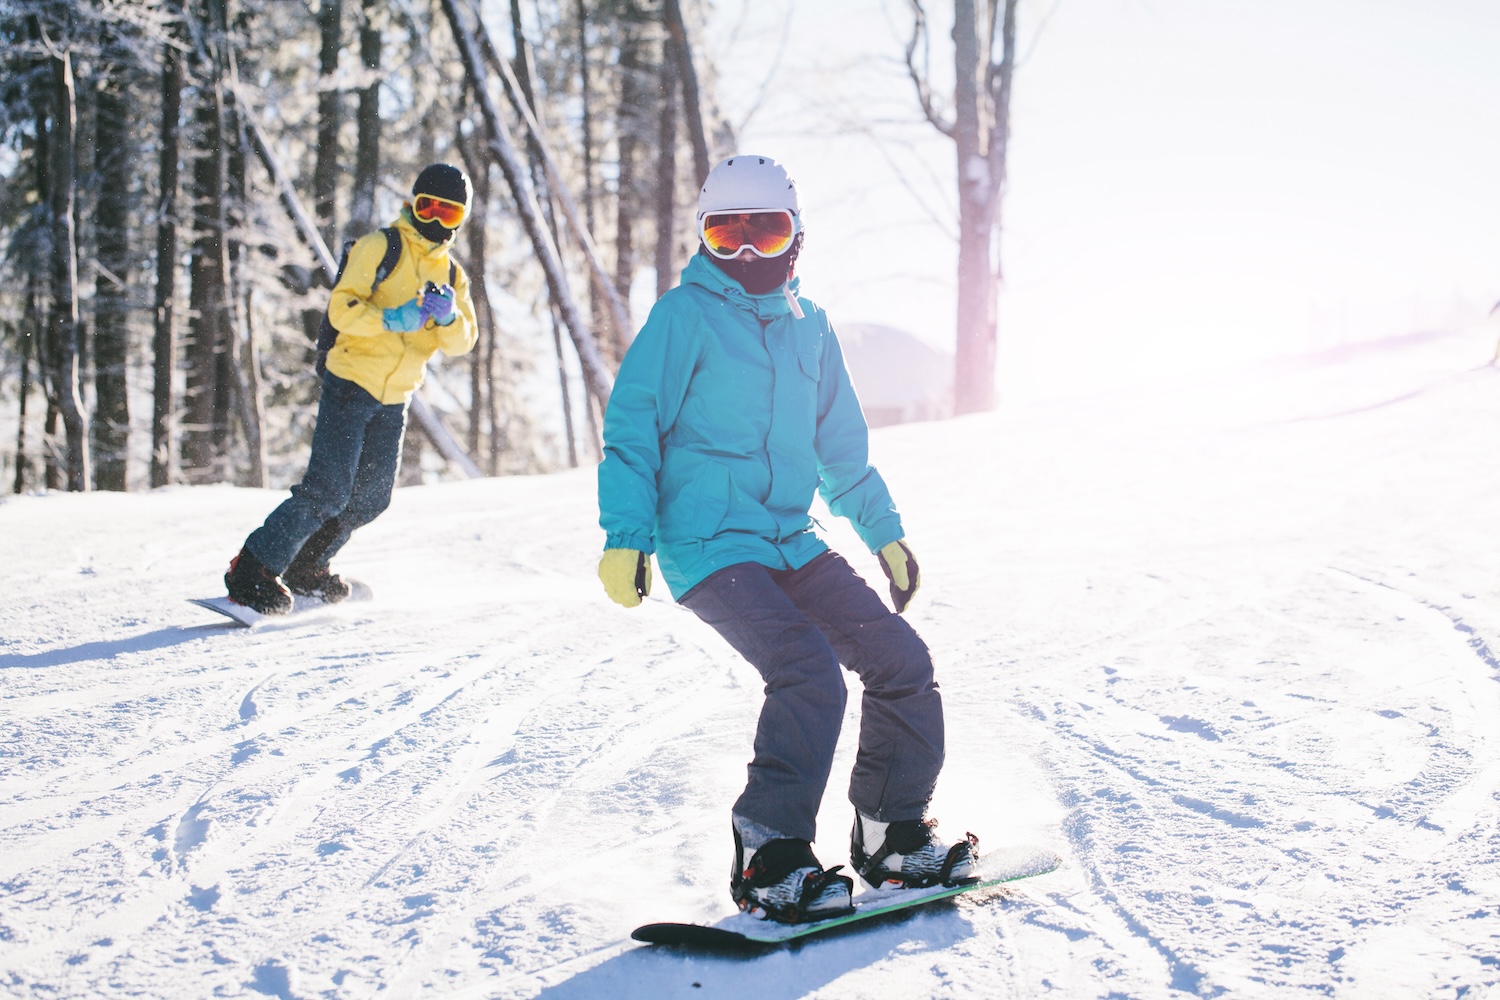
179 176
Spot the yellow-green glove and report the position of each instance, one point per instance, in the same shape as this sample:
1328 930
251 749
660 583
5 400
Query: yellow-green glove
626 575
901 569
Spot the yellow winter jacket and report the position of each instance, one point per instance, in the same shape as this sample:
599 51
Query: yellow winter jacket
389 366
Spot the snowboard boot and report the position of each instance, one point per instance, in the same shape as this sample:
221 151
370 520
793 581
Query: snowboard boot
784 882
309 574
251 584
315 581
907 854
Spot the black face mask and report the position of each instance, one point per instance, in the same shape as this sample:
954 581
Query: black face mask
759 275
434 231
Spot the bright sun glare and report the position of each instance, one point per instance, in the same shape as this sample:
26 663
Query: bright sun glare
1190 185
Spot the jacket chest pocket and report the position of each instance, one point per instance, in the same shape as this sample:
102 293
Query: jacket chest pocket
807 360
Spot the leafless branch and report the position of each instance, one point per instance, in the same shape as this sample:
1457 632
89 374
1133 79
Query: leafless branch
619 313
771 71
503 153
918 76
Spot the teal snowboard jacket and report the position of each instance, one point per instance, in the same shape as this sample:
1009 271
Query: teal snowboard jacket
727 414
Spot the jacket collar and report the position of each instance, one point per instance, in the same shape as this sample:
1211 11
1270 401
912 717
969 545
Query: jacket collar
407 225
772 305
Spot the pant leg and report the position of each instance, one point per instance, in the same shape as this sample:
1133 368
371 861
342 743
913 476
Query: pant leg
375 478
901 731
344 411
805 694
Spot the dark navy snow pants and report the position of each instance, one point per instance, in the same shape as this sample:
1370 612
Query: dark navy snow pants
356 453
796 627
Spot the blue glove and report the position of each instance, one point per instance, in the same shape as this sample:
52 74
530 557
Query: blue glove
405 318
437 304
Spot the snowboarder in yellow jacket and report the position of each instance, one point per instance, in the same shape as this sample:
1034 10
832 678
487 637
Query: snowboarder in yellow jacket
388 326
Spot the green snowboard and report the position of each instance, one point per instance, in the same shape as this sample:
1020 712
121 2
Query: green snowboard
740 930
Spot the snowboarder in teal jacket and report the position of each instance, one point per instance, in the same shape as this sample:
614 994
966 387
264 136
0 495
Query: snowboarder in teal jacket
732 407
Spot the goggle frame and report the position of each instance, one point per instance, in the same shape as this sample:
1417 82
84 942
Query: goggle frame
796 227
418 213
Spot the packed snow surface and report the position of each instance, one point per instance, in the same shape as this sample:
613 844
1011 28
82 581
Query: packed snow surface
1229 647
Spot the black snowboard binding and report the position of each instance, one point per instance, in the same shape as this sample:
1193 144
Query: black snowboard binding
309 574
253 585
907 854
784 881
315 581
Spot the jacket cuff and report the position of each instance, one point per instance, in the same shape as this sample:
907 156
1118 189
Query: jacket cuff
878 536
629 540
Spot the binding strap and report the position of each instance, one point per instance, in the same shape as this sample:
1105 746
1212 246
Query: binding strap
874 872
773 862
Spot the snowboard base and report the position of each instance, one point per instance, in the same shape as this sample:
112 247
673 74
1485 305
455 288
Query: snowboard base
247 617
744 931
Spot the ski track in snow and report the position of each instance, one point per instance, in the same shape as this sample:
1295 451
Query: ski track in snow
1230 648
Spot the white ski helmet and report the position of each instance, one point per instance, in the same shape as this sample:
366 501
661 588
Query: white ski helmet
748 183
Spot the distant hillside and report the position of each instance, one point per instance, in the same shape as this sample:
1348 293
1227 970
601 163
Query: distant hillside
899 378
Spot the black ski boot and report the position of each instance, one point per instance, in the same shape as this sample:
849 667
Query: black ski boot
251 584
309 574
907 854
784 882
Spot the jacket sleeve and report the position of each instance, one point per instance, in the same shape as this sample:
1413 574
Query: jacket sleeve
459 336
648 394
849 484
349 307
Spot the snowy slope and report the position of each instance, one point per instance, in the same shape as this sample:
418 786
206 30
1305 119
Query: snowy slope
1231 647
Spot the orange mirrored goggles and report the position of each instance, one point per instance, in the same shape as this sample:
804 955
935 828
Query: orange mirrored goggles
431 208
765 233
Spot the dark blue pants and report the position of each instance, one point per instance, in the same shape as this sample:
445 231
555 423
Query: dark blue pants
356 453
796 627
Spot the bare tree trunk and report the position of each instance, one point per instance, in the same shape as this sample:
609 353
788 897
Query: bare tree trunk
631 129
287 193
330 120
246 372
207 387
585 99
245 361
163 339
556 184
503 151
981 132
28 340
111 303
481 388
682 52
430 425
666 170
569 434
65 323
525 96
367 126
586 109
598 287
974 357
41 331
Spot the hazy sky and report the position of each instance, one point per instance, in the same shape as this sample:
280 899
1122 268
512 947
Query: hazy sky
1191 181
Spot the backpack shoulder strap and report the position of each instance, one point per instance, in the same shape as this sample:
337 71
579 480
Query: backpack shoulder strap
390 260
327 334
